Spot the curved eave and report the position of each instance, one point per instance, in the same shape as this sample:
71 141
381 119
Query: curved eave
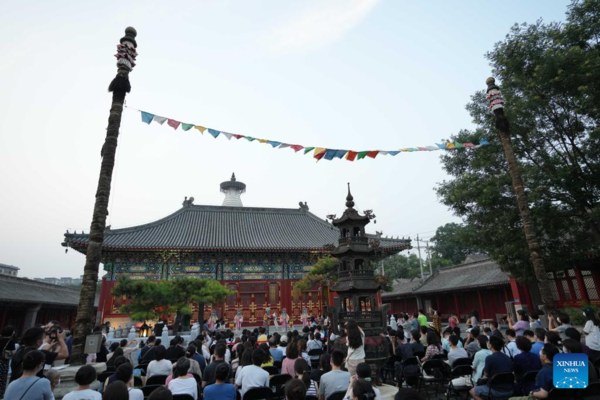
389 295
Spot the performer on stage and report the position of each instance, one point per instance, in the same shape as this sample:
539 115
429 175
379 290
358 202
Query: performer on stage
238 319
266 318
212 321
274 317
304 317
284 318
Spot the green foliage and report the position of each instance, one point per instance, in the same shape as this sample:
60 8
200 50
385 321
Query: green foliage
151 299
322 273
549 75
454 242
401 266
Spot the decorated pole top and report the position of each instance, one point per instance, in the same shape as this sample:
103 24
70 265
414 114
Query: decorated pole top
126 55
494 95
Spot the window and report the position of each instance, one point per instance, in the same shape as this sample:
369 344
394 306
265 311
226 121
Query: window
358 263
356 231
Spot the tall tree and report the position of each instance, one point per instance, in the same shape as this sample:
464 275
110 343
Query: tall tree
119 87
401 266
153 299
454 242
550 77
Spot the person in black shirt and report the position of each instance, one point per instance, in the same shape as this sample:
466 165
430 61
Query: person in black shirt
101 355
495 363
209 373
148 346
324 367
32 340
175 351
7 344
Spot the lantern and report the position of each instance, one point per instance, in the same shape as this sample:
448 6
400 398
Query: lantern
145 330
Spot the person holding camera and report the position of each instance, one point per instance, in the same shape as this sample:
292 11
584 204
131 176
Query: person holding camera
33 339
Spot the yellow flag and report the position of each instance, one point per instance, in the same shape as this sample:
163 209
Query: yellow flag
263 140
450 145
200 128
319 150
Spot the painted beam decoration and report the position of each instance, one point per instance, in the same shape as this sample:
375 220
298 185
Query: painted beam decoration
319 153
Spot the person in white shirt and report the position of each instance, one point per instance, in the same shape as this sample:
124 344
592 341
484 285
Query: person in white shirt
84 377
592 333
160 366
253 376
511 349
283 342
183 384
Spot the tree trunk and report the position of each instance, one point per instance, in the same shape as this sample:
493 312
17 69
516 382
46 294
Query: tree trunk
85 311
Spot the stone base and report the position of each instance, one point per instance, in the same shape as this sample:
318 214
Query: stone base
67 379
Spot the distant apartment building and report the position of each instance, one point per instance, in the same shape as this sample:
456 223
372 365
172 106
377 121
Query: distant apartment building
64 281
9 270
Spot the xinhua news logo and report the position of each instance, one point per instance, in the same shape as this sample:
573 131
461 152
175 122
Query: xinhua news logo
570 371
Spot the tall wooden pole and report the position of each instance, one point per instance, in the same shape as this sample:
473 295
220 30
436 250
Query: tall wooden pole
535 250
120 86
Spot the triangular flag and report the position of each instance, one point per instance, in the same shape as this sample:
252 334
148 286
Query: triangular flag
351 155
362 154
200 128
372 154
412 149
147 117
187 127
432 148
329 154
441 146
284 145
296 147
238 136
404 150
173 124
160 120
459 145
383 153
468 144
450 145
307 149
340 153
482 142
319 150
227 135
320 155
263 140
423 148
214 132
393 153
274 144
249 138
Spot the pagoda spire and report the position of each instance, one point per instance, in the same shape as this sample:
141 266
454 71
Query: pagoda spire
233 190
349 198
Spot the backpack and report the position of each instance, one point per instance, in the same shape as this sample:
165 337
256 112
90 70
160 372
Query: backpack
17 362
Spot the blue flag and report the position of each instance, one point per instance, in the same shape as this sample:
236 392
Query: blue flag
441 146
147 117
273 143
483 142
214 133
393 153
340 153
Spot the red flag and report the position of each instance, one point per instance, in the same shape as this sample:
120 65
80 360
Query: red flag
296 147
238 136
373 154
320 155
173 124
351 156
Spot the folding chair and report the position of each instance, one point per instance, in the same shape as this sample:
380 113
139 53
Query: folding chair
271 370
560 394
156 380
137 382
528 382
461 361
277 384
258 394
277 364
405 374
432 373
504 378
183 397
460 371
315 353
336 395
148 389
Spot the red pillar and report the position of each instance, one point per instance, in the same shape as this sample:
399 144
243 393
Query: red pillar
437 304
514 286
528 297
481 312
559 287
506 297
584 294
456 305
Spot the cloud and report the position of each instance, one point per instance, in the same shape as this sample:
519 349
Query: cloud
321 25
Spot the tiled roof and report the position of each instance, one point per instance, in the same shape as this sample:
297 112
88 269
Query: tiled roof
23 290
402 286
9 267
214 228
477 274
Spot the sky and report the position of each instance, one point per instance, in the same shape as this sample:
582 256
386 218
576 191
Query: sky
346 74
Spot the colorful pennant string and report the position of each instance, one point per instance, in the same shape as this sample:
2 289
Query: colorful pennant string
317 152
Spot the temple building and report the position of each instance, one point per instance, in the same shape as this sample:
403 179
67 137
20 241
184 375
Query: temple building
256 252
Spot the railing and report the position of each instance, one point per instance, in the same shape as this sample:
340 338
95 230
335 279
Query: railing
356 273
354 240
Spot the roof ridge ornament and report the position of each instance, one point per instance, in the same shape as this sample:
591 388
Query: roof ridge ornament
188 202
